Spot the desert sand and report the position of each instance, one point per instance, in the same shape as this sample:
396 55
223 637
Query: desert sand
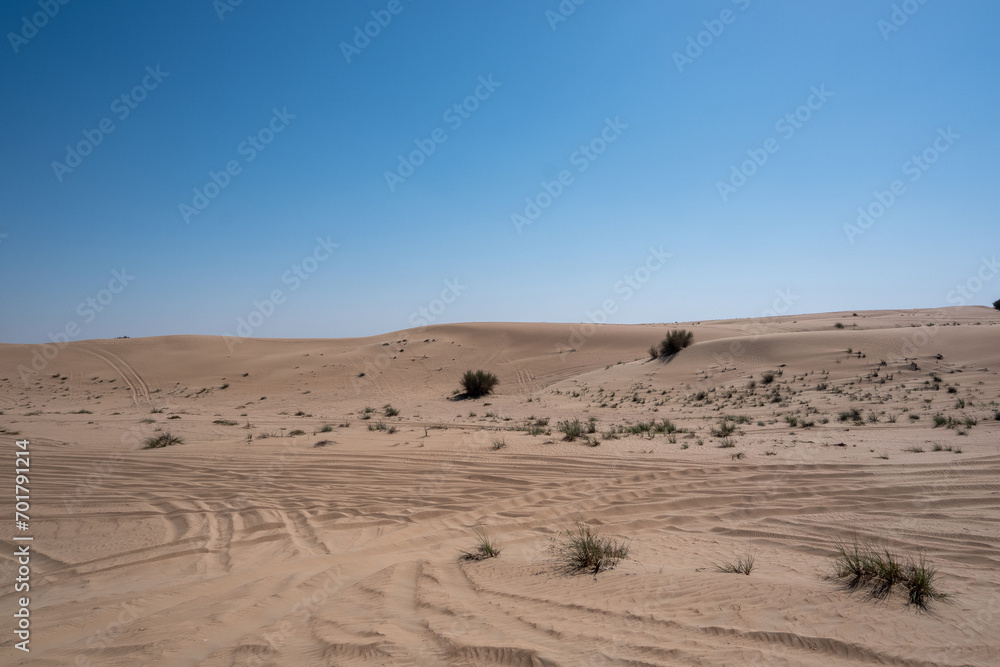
287 530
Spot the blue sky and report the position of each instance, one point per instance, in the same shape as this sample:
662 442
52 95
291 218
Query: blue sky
642 109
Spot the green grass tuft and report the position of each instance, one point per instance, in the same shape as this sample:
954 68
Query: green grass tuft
583 549
571 429
880 569
742 565
487 547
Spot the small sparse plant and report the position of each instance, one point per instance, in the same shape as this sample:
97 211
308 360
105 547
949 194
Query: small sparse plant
297 431
389 411
225 422
486 547
742 565
498 443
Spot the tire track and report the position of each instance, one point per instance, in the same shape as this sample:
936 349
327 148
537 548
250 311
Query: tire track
136 385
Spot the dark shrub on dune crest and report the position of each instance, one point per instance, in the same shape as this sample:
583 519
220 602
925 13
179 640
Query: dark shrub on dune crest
674 342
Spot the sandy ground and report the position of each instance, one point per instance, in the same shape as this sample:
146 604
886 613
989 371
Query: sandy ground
287 529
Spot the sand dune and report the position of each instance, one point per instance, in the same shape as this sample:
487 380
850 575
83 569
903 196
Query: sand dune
248 545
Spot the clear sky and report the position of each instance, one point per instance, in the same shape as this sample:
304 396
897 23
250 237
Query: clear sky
489 161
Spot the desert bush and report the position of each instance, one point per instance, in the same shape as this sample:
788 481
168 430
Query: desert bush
851 415
675 341
583 549
724 429
996 304
389 411
571 429
478 383
162 440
